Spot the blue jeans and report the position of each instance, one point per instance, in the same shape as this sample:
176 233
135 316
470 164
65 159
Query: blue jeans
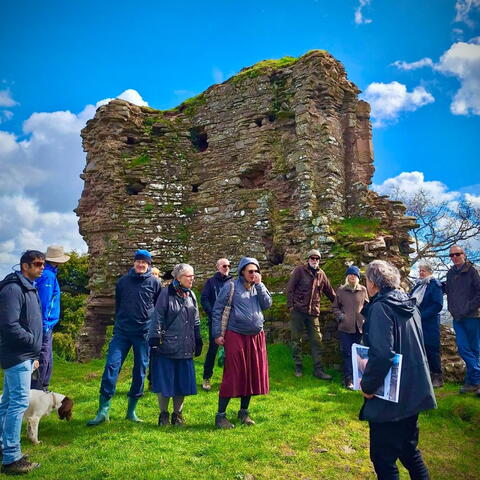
15 399
117 352
467 331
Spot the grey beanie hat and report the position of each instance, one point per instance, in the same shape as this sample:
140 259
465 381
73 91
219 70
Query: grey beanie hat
313 253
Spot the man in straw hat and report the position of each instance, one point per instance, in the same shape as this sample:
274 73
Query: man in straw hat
305 287
49 293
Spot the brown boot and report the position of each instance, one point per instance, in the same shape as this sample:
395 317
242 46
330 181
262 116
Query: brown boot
437 380
222 422
177 419
19 467
245 418
319 373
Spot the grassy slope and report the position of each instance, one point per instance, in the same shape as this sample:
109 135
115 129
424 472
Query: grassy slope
306 429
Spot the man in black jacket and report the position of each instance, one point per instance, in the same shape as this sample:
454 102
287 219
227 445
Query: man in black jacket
135 297
20 343
463 296
393 325
207 299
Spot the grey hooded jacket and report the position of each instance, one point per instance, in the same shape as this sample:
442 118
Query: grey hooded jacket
246 316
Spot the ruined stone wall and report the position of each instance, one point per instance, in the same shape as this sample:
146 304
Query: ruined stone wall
265 164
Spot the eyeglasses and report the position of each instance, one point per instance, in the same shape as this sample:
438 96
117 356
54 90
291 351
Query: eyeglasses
225 266
314 258
38 264
252 271
456 254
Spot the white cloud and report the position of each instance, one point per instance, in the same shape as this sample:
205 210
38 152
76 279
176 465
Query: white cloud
359 18
462 60
6 99
464 9
389 100
424 62
410 183
218 75
129 95
40 184
473 199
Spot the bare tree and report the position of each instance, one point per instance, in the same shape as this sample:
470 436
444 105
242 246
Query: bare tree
442 223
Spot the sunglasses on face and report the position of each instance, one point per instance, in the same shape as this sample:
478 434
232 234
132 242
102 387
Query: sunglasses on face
38 264
252 271
314 258
456 254
225 266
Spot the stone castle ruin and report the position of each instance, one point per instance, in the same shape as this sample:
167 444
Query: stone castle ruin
270 163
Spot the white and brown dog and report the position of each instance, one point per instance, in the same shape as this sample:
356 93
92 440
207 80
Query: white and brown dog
43 404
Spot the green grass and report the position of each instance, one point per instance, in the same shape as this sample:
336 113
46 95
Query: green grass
306 429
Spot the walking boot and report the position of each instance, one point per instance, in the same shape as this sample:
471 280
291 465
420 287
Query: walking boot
348 382
102 413
163 419
467 388
206 385
19 467
319 373
177 419
245 418
298 371
132 404
437 380
222 422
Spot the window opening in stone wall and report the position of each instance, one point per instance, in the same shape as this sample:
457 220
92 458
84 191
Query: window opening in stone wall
195 187
272 117
132 140
134 187
254 177
258 121
199 138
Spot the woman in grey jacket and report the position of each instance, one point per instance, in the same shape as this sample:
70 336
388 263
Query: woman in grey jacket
246 366
174 339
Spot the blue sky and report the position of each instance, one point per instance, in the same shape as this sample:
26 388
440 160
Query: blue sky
59 59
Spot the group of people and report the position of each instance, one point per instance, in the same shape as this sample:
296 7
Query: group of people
162 326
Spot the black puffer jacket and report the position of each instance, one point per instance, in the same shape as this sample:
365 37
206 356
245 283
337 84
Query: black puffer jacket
20 321
180 319
393 326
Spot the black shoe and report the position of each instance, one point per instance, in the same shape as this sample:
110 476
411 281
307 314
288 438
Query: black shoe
163 419
298 371
177 419
348 383
222 422
20 467
319 373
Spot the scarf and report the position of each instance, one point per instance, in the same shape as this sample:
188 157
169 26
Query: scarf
419 289
182 292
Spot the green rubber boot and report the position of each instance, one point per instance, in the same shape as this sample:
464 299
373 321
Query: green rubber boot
131 415
102 414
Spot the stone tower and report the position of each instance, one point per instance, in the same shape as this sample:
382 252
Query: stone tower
264 164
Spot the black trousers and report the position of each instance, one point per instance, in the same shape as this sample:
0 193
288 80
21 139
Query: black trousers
390 441
211 354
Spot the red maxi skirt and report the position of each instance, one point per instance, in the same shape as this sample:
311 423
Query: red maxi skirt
246 365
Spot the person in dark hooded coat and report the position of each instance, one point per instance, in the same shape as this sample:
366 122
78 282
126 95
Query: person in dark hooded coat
393 325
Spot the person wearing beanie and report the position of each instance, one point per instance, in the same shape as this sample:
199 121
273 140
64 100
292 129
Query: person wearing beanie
349 302
306 285
135 297
245 372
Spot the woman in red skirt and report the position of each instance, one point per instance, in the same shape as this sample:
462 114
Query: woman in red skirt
246 366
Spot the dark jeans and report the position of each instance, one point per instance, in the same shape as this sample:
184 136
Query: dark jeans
45 360
390 441
346 342
211 354
117 352
299 323
433 357
467 331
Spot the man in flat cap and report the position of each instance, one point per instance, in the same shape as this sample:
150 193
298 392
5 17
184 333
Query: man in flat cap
135 297
305 287
49 293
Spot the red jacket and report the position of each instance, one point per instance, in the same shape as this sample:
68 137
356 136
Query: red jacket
305 289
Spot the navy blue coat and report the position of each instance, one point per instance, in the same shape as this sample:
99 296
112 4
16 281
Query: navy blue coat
135 297
210 293
430 309
393 326
20 321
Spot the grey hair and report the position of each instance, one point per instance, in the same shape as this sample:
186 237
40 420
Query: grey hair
383 274
179 270
426 266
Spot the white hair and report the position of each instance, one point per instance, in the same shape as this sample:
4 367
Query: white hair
180 269
383 274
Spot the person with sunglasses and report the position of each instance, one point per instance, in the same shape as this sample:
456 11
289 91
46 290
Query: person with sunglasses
245 371
306 285
209 294
20 344
463 296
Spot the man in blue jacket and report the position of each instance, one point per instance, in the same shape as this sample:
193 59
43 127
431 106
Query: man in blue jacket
20 342
207 299
135 297
49 293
